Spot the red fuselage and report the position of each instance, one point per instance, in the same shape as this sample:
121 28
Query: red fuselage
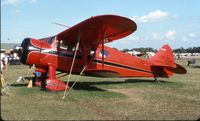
116 63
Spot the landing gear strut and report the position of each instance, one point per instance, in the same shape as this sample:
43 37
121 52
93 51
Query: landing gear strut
51 83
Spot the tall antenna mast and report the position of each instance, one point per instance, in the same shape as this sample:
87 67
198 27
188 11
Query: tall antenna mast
61 24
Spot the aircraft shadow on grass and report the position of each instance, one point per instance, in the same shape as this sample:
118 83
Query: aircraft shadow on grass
196 66
18 85
93 86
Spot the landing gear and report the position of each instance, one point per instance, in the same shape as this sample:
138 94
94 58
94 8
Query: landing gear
50 82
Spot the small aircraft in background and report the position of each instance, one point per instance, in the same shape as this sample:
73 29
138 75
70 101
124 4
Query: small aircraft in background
81 49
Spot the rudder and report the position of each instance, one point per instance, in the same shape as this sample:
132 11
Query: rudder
164 57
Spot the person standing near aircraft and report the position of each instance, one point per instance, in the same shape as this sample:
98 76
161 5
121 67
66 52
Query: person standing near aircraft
4 67
5 61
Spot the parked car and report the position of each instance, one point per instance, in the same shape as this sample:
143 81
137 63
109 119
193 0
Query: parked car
14 61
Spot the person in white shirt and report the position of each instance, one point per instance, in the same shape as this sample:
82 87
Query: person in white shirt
4 66
5 61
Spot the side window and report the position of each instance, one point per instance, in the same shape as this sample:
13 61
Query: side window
71 47
105 53
63 45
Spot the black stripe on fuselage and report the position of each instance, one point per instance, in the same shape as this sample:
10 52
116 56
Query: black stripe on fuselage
63 54
121 66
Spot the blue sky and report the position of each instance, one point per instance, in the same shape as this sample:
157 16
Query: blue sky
173 22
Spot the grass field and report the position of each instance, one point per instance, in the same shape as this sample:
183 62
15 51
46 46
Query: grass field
176 98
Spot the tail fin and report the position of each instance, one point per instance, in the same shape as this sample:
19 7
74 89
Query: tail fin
164 59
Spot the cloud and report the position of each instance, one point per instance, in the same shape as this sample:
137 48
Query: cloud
33 1
123 41
156 36
150 38
133 38
16 12
153 16
130 39
9 2
191 36
14 2
170 34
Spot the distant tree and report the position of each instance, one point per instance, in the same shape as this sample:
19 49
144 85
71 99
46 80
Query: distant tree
187 50
115 48
178 50
144 50
198 49
125 50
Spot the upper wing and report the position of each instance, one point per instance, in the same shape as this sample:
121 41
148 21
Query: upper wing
94 29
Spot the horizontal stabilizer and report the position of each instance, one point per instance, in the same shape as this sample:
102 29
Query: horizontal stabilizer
179 69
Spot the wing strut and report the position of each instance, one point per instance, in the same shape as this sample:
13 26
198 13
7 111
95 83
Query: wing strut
102 51
102 44
72 65
77 78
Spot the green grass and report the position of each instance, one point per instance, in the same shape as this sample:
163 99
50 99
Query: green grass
175 98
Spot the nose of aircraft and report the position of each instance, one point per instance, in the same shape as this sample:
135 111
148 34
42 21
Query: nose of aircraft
24 50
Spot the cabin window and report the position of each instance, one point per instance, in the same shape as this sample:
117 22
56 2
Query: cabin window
105 53
63 45
66 46
71 47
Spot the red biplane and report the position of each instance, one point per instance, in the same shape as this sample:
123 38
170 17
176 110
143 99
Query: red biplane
82 49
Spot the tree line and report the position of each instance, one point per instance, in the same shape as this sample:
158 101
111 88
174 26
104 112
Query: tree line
187 50
142 49
178 50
